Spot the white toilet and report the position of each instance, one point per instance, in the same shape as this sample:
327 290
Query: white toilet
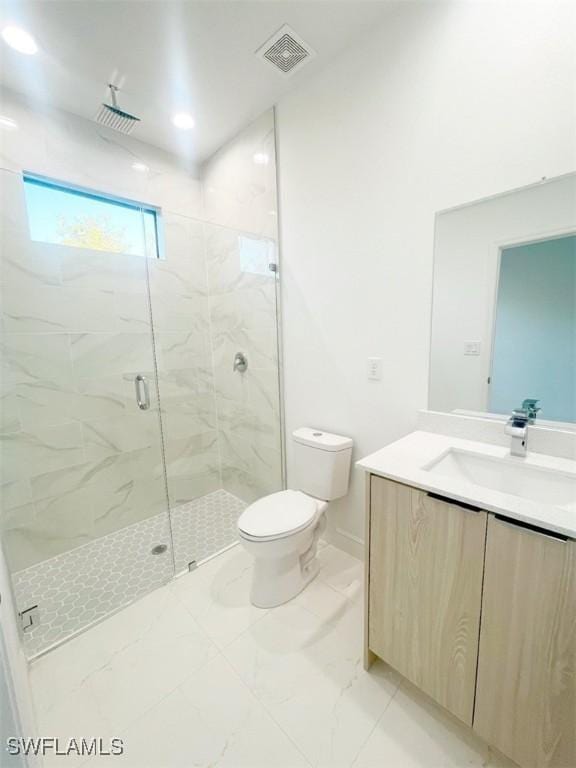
282 530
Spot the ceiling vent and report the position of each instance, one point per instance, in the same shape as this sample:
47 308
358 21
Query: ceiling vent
285 51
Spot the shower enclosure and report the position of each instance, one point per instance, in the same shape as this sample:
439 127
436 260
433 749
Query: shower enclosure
130 442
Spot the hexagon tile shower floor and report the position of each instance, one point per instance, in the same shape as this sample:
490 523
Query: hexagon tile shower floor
82 586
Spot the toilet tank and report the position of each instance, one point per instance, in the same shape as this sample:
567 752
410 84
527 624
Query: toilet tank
321 463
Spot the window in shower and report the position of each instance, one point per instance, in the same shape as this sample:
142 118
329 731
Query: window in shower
62 214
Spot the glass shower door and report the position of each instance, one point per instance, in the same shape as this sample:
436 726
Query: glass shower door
214 301
84 519
180 313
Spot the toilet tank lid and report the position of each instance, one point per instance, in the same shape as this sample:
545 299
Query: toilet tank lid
324 441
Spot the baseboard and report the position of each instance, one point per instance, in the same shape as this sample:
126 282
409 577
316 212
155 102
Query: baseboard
346 541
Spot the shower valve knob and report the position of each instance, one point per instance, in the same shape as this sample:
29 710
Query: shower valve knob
240 362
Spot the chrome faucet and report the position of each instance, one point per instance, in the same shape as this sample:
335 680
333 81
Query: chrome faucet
517 428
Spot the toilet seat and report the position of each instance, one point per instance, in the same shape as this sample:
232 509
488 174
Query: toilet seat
278 515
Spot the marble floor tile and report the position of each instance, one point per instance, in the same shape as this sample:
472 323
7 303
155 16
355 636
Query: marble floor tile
309 676
192 675
341 571
211 719
144 671
414 733
77 713
121 667
217 596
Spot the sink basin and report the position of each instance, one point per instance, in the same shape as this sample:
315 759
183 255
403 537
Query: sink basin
506 475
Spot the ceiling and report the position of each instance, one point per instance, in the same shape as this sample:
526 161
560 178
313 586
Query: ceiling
173 56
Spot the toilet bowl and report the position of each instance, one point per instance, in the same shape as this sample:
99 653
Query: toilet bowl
281 531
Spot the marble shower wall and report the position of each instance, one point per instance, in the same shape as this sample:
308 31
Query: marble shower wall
240 209
78 460
180 311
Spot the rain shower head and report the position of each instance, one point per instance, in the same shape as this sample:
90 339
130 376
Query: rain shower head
113 117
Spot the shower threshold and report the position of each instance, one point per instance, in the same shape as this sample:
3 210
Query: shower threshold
81 587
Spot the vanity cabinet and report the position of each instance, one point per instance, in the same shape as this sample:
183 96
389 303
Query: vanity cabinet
479 612
425 574
526 690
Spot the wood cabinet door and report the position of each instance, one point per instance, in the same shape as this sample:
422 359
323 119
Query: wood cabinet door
425 589
526 692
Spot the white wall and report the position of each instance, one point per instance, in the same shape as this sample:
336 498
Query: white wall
443 104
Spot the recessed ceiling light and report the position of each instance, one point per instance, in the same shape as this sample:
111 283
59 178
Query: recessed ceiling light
260 158
8 123
183 120
20 40
141 167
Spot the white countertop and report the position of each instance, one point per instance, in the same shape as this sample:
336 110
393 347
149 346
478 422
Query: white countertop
405 459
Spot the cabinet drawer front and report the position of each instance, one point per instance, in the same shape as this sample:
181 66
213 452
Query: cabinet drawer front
526 694
426 567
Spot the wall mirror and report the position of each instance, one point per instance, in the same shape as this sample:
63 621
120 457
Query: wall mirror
504 304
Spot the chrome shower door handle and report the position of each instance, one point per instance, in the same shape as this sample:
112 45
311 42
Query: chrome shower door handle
141 385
